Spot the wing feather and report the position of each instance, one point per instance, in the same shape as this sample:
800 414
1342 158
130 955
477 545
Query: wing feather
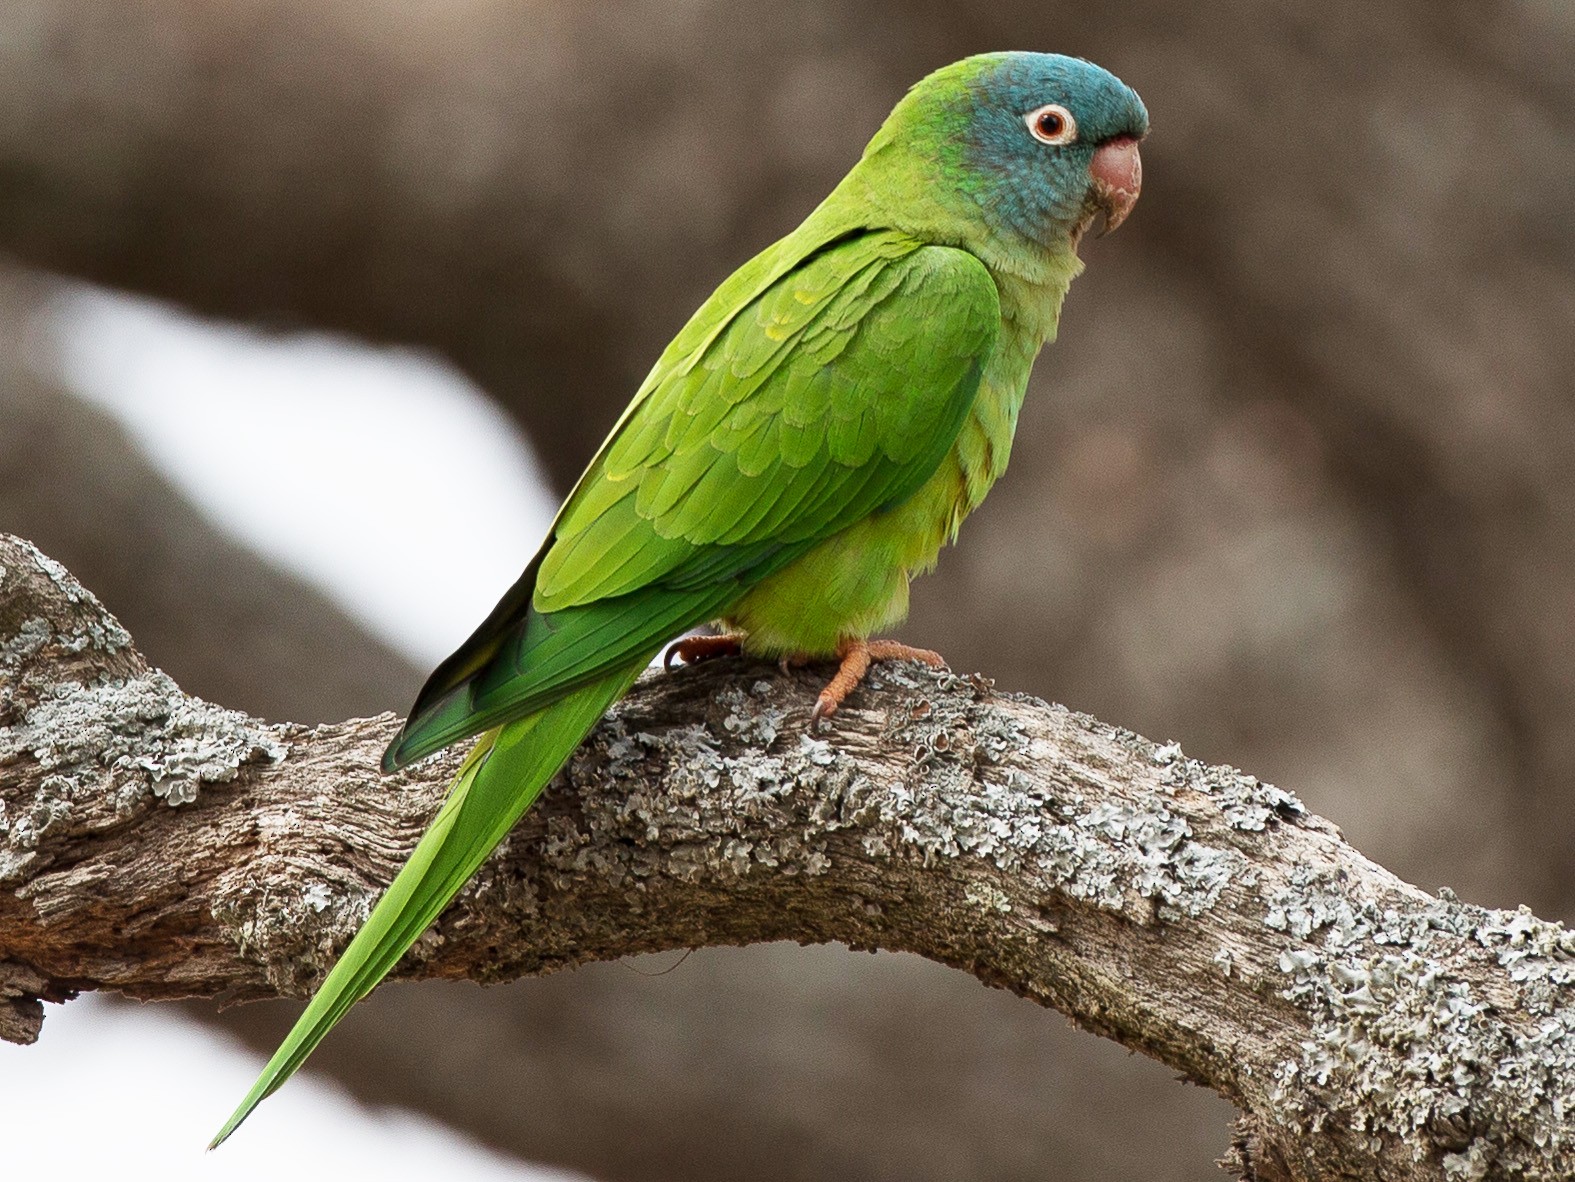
833 392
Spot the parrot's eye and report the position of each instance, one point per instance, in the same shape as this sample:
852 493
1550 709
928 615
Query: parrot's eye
1052 124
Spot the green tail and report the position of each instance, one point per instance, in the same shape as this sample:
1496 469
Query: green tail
499 780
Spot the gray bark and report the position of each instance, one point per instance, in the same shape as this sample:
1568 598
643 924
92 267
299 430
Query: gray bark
1297 474
158 845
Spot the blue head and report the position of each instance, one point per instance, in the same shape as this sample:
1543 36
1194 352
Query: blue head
1034 144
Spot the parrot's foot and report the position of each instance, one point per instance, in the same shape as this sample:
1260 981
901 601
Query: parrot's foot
856 656
691 650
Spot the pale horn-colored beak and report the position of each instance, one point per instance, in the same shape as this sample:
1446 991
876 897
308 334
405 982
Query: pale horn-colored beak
1117 172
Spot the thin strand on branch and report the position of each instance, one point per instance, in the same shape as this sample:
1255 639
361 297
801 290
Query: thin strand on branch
158 845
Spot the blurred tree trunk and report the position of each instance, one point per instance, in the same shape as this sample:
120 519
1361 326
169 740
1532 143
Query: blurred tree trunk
1329 355
1339 320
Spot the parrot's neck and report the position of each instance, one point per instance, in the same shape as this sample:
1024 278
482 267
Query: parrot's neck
1032 288
896 185
1031 277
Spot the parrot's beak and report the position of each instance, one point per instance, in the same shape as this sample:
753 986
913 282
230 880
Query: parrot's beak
1117 172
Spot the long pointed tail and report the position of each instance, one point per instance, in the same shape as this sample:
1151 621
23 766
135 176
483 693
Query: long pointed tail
499 780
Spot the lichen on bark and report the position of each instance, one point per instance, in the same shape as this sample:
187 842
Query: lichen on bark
1366 1028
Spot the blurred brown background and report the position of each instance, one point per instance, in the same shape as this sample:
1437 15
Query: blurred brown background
1295 488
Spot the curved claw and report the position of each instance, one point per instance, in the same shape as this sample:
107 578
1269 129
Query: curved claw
824 708
691 650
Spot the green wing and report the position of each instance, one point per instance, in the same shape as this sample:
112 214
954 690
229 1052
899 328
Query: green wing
830 394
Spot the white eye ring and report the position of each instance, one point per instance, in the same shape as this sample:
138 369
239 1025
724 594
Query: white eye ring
1051 124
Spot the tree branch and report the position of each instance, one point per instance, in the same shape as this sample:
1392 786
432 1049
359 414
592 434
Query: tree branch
157 845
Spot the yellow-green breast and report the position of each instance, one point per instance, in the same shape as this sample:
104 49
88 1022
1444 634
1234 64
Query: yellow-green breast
855 584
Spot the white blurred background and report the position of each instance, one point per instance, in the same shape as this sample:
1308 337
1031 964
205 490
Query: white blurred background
1296 486
335 461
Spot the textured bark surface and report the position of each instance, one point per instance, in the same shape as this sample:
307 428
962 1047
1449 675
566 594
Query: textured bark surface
158 845
1294 485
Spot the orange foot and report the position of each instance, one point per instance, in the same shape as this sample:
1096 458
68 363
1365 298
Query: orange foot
691 650
856 656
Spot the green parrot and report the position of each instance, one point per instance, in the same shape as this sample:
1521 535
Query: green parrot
804 447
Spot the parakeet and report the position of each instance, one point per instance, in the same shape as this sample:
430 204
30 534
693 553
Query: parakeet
804 447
